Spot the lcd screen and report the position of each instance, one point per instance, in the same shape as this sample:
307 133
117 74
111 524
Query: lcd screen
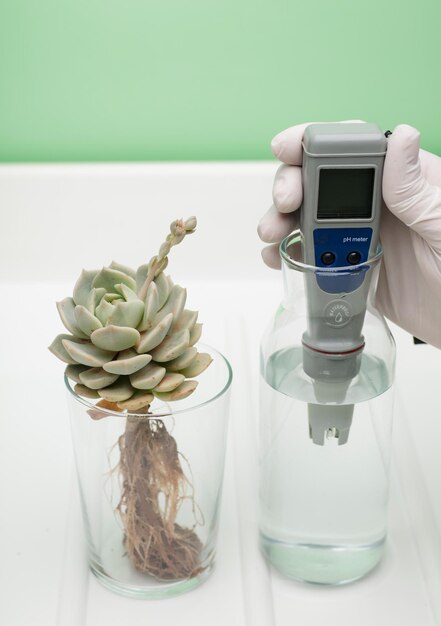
345 193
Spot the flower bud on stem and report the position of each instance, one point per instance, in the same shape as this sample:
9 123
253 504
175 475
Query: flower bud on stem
178 230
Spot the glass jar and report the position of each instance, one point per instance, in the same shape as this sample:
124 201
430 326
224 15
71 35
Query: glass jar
151 484
325 417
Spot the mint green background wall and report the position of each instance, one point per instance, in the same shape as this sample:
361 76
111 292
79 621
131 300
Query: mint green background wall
87 80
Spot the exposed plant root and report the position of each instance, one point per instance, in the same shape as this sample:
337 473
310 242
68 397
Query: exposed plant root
153 488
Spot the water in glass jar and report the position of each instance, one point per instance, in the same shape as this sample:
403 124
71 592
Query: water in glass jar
323 509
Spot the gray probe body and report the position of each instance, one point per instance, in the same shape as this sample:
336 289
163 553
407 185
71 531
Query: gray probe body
339 221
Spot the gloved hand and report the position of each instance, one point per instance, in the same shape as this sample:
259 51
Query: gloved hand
409 288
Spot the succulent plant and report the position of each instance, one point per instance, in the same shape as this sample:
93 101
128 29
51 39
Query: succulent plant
131 338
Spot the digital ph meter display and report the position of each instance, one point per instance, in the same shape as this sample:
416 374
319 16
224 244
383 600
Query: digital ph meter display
345 193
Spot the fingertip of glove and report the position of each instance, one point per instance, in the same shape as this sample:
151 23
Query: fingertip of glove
405 135
405 129
287 189
262 230
402 171
276 145
402 150
271 257
266 231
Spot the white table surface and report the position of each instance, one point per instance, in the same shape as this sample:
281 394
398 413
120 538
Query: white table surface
54 220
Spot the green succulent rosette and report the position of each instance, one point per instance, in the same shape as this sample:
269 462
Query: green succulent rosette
131 339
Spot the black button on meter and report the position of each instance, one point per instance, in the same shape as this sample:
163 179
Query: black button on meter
354 258
328 258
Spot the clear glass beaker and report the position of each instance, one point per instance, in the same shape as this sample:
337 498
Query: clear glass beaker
323 502
151 485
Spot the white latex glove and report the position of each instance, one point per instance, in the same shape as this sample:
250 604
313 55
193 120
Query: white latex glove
409 288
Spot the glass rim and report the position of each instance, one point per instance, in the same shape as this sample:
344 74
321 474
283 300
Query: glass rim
162 413
296 237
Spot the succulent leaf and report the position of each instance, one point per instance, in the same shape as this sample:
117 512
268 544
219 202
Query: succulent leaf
85 320
114 339
125 269
84 391
139 400
112 297
187 319
108 278
127 293
198 365
97 378
66 309
141 275
152 338
119 391
172 347
169 382
128 362
182 361
148 377
101 407
73 372
183 391
151 307
195 334
103 311
175 304
57 347
83 286
126 314
164 289
94 298
87 353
